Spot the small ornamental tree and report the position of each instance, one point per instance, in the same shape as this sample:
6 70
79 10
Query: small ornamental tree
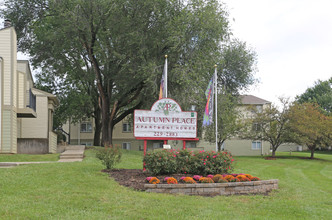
269 124
311 127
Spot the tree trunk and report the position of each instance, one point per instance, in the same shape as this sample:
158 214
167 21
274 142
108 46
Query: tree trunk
105 140
220 143
273 152
312 153
96 138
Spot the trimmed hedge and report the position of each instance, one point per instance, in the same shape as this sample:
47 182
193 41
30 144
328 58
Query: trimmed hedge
188 162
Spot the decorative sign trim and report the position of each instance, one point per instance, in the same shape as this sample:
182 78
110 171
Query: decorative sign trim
165 120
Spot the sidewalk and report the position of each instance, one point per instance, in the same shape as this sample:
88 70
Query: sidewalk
73 153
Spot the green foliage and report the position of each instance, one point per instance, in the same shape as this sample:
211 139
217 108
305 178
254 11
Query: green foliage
109 156
184 161
310 126
228 123
161 162
113 51
320 93
269 123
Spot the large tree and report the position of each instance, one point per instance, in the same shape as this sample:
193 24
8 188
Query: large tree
78 99
122 44
310 126
269 124
320 93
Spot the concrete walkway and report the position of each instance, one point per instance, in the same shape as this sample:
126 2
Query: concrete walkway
73 153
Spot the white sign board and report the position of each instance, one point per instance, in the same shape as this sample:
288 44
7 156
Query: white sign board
165 120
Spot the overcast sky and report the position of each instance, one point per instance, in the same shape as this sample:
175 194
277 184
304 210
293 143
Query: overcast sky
293 40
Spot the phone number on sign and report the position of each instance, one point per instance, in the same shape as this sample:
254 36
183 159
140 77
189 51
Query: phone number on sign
165 134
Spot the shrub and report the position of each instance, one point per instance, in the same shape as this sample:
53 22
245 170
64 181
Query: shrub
255 179
235 179
243 178
222 180
206 180
109 156
249 176
161 162
216 178
184 161
188 180
210 162
197 177
154 180
172 180
229 178
148 178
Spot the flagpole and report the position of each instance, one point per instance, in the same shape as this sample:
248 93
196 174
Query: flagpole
165 76
216 95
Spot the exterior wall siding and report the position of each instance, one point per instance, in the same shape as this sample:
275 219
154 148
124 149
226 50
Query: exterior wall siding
7 62
1 99
9 132
14 132
52 142
21 90
37 127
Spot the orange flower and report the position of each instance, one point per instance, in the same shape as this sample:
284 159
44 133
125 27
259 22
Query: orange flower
172 180
154 180
229 178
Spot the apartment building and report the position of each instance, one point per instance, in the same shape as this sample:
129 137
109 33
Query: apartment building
26 113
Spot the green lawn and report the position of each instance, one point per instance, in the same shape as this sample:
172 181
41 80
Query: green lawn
80 191
28 157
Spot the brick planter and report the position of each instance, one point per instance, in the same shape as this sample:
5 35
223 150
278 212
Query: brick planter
214 189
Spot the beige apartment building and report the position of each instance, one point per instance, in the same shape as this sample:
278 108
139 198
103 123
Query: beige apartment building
83 133
26 113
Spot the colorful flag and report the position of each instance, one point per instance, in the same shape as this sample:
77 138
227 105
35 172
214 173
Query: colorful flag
208 114
163 82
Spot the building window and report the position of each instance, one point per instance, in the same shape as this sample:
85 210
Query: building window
256 127
126 127
126 146
158 145
256 145
190 144
86 143
86 127
259 108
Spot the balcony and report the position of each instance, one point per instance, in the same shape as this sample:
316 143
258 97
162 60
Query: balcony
30 110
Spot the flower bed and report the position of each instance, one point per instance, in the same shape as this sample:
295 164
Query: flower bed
211 185
214 189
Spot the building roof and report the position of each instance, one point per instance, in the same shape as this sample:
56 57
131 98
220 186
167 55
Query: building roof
252 100
48 95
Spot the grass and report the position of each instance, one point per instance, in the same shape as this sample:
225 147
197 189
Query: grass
28 157
80 191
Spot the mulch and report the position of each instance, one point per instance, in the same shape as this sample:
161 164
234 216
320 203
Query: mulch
135 178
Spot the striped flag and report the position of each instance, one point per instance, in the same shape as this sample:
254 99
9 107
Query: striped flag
208 114
163 82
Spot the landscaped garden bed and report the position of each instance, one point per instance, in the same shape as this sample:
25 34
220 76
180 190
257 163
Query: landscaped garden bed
214 189
211 185
171 171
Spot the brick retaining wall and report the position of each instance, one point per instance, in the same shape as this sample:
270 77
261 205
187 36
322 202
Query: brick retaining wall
214 189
